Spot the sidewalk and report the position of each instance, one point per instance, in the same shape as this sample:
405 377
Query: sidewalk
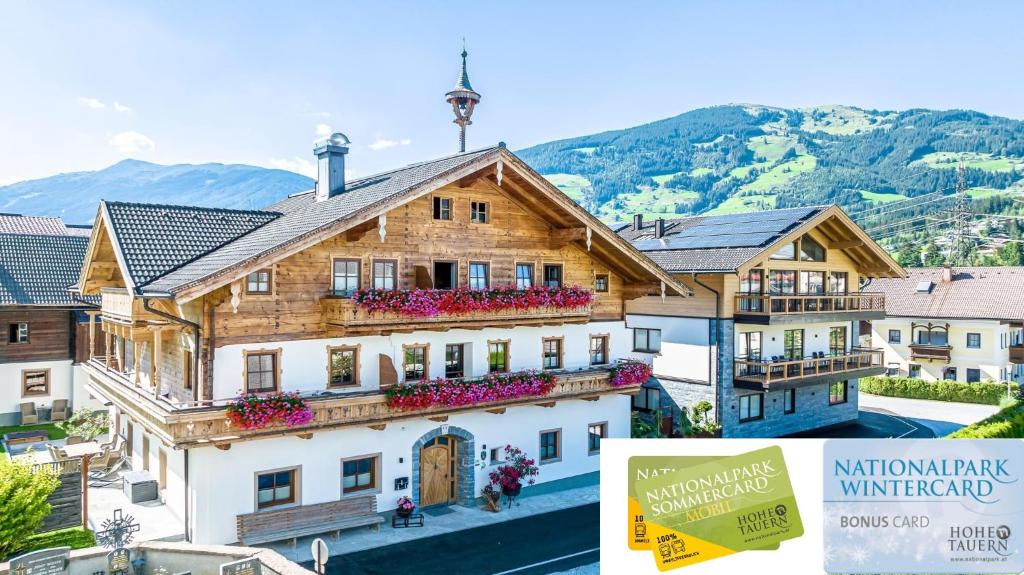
459 518
942 417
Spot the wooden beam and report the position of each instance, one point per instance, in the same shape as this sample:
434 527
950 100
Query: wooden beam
305 435
378 426
546 404
496 410
846 245
560 238
222 446
591 398
439 418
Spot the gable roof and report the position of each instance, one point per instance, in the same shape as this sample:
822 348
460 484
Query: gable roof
39 225
38 270
974 293
727 243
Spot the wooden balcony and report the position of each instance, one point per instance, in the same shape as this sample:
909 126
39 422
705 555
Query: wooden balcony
340 313
205 423
767 375
777 309
118 306
923 352
1017 354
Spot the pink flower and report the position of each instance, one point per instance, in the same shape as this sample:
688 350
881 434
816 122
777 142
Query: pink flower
492 387
418 302
630 373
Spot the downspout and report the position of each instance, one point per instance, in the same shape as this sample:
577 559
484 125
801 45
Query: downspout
188 499
713 351
195 330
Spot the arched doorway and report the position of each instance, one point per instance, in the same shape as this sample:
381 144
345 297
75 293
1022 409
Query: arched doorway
443 470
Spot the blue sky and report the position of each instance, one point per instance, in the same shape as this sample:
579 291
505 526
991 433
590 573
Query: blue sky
86 84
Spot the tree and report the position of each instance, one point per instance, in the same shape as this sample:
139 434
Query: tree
932 256
1011 254
86 423
23 506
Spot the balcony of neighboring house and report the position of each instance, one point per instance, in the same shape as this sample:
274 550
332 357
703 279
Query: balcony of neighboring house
772 373
771 309
930 342
1017 354
198 423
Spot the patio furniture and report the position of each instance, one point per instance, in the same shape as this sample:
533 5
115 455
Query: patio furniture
140 486
74 439
56 453
110 475
28 413
59 411
19 437
302 520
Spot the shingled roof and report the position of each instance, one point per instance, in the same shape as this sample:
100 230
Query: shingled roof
715 243
974 293
39 225
38 270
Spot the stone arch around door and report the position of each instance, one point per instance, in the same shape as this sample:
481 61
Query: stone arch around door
465 451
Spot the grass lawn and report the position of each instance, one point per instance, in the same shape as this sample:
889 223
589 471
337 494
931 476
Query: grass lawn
570 184
980 193
54 431
664 178
74 537
980 161
880 198
781 175
652 203
772 147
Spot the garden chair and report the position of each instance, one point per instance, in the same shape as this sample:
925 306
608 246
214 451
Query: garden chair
110 474
60 410
28 413
73 439
56 453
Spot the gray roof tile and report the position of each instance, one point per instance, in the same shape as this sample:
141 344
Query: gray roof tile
974 293
38 270
38 225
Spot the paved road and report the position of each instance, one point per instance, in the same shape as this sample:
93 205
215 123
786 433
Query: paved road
942 417
876 424
536 545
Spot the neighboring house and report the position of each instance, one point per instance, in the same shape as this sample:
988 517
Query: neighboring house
962 324
40 259
200 305
770 335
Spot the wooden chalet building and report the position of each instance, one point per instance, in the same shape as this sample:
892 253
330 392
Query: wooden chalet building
770 335
201 305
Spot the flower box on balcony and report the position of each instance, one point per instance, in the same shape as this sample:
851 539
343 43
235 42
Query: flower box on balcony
418 302
259 411
454 393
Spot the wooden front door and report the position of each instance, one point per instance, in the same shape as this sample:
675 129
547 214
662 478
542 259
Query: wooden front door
437 472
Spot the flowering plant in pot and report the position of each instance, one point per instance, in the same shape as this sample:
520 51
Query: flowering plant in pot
405 507
454 393
256 411
630 373
517 468
418 302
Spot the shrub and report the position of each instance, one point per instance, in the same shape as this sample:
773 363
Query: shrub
1007 423
86 423
982 392
74 537
23 506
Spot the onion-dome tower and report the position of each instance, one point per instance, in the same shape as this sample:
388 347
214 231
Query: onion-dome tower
463 99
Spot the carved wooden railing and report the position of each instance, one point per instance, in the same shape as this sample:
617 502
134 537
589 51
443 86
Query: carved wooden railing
931 352
193 425
768 373
343 312
769 305
116 304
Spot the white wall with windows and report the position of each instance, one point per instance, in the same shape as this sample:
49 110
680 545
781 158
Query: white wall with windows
47 381
979 348
768 341
675 346
303 364
224 483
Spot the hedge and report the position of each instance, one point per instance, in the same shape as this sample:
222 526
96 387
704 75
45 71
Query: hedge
982 392
74 537
1008 422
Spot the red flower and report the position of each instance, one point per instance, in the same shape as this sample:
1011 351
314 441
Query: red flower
449 393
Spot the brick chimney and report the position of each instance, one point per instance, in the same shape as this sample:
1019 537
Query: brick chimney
638 222
947 274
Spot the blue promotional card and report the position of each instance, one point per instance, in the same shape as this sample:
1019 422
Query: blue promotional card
924 506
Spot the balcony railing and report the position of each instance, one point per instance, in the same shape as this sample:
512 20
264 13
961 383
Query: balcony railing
929 352
206 423
1017 353
766 373
116 304
775 305
342 312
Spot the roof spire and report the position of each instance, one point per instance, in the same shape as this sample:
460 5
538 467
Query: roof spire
463 99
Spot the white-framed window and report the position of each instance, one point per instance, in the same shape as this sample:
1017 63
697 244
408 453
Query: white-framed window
646 340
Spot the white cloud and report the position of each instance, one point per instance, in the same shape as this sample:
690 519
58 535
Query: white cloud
296 164
384 143
323 130
119 107
132 142
91 103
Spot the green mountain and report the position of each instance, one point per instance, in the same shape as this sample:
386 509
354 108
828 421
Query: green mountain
749 157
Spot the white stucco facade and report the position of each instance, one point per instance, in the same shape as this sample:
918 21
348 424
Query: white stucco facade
61 378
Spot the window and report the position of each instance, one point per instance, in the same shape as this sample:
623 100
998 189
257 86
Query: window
974 341
276 488
442 208
415 362
648 400
601 283
385 274
359 474
343 366
186 368
810 250
892 369
788 401
552 353
454 363
837 340
894 335
752 283
782 282
346 277
973 375
914 370
646 340
598 349
444 275
750 345
751 407
259 282
497 356
17 333
261 371
932 337
479 212
812 283
838 282
786 252
837 393
793 343
949 374
595 433
35 382
553 275
550 445
479 273
524 276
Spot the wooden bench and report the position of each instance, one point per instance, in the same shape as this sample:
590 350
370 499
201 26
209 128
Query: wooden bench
294 522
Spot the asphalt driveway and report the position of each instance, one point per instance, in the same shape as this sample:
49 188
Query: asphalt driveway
884 417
